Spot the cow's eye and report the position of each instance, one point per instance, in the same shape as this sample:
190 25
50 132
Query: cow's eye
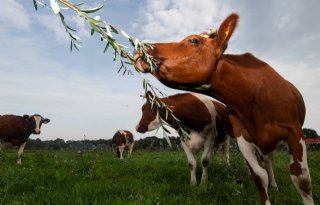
194 41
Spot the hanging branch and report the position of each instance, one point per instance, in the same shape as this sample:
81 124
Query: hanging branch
121 55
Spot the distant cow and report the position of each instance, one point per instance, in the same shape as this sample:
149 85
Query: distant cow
122 140
206 119
15 130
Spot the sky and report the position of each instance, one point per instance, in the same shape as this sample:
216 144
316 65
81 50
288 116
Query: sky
82 93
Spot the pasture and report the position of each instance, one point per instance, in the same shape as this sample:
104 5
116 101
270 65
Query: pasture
147 178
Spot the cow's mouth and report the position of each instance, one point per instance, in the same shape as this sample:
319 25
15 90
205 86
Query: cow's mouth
141 64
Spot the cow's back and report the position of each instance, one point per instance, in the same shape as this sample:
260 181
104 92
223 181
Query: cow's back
191 109
129 137
14 129
118 139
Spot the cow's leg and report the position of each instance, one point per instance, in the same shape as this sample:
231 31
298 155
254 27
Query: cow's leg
259 174
225 149
20 152
192 163
268 160
207 152
1 150
299 169
121 150
130 149
1 147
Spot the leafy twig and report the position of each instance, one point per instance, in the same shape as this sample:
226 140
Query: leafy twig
106 31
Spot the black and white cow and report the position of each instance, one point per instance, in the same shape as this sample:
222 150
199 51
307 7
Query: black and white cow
122 140
15 130
206 119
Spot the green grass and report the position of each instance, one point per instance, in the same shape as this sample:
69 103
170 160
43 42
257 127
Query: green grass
146 178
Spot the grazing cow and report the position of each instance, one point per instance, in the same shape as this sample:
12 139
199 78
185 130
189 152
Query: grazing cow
122 140
206 119
263 107
15 130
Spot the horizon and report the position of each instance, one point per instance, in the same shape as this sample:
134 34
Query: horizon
81 91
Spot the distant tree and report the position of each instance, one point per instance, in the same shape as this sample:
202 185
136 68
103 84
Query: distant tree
310 133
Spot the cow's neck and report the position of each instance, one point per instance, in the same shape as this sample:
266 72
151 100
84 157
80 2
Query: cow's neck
230 85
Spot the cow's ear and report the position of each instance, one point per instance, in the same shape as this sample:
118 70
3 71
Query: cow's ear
26 116
45 121
225 31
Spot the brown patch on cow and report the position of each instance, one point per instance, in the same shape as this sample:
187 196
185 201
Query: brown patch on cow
180 106
295 169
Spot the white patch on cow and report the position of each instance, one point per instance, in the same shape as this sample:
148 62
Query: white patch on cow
196 140
20 152
122 132
211 109
37 120
192 163
121 150
155 123
201 140
248 151
268 166
305 175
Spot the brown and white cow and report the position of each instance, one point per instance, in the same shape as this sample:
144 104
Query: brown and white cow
15 130
206 120
263 107
122 140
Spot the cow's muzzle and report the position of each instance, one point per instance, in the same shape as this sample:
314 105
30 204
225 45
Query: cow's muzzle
139 62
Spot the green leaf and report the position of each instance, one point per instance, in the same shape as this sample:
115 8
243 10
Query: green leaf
35 5
92 32
125 34
167 138
145 84
75 45
71 44
106 48
166 130
114 30
92 10
108 31
94 27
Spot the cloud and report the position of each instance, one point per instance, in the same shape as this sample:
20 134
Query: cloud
53 24
173 19
14 15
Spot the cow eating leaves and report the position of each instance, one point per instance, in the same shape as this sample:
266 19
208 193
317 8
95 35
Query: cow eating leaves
262 106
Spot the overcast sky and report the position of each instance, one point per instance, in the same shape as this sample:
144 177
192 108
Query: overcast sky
81 91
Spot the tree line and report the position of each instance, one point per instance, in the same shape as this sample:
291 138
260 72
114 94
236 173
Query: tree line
148 143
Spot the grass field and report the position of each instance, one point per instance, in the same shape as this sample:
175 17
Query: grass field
146 178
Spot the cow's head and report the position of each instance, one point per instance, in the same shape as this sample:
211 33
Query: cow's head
35 122
150 119
116 149
192 61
